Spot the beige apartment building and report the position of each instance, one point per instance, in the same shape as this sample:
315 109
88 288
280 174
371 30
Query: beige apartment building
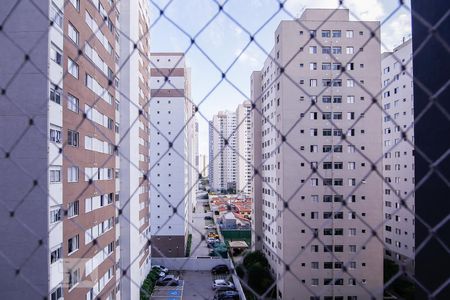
172 140
398 160
318 204
244 148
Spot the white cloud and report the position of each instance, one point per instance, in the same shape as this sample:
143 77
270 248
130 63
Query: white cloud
363 9
394 30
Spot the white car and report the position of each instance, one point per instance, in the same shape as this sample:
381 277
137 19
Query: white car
210 226
219 283
160 268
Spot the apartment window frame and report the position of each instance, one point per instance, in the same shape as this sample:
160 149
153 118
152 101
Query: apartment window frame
73 103
73 68
73 174
73 244
73 138
73 33
73 209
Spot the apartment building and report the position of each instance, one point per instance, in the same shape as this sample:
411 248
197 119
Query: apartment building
223 151
203 165
398 161
171 125
73 155
134 159
244 147
321 203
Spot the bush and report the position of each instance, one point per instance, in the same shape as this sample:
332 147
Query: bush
148 285
259 278
188 245
255 257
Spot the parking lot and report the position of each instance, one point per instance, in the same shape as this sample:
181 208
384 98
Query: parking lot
194 285
168 292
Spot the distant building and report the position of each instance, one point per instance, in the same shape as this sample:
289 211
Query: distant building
223 151
203 165
398 160
244 147
172 156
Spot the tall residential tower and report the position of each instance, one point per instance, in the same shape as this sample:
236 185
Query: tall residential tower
172 119
398 161
321 203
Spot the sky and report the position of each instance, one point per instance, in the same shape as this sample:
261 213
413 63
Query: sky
222 41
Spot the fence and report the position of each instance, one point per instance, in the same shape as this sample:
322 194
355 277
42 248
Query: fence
340 175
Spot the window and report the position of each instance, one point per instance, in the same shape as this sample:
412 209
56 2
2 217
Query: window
350 83
73 103
73 244
351 165
56 16
72 68
73 209
352 231
337 99
337 116
74 35
337 50
55 255
55 215
55 174
74 277
349 34
326 132
76 4
73 138
326 50
55 94
349 50
326 99
350 99
326 66
351 182
313 82
336 33
56 54
313 66
72 174
56 294
314 265
312 49
326 33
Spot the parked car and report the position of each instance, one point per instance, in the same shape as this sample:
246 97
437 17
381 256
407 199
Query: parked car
227 295
210 226
208 218
225 288
222 283
168 280
220 269
211 240
160 268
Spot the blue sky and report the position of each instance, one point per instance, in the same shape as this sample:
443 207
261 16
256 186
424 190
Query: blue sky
220 46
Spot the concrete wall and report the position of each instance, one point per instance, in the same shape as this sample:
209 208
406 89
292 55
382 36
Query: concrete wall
24 255
191 264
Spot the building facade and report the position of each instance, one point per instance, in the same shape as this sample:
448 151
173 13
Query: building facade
134 158
321 204
223 152
75 106
398 161
244 148
172 122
